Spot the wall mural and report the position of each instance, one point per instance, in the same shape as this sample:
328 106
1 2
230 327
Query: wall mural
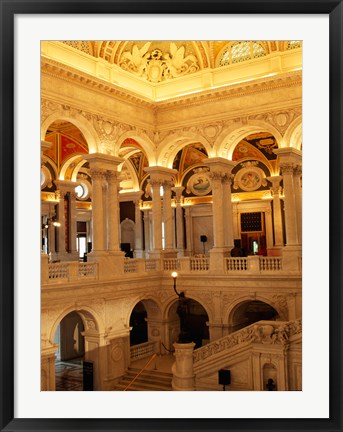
199 183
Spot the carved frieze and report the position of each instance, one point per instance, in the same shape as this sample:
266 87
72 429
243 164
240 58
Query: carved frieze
273 333
279 119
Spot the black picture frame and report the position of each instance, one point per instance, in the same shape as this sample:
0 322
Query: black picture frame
9 8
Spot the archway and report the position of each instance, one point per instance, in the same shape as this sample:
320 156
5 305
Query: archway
70 354
249 312
138 322
197 323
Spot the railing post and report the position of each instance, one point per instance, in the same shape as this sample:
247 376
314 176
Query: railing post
253 263
73 270
183 376
185 264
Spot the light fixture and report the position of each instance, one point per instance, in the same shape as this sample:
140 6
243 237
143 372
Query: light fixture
183 310
174 276
51 221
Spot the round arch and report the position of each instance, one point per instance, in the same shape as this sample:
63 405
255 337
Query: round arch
169 147
143 140
152 306
229 314
78 121
90 319
173 300
47 161
67 164
293 134
197 319
229 138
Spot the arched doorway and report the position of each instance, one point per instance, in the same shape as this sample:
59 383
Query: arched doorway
250 312
138 322
70 353
197 322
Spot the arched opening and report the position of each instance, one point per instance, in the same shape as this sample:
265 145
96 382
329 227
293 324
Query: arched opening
70 353
138 322
197 323
250 312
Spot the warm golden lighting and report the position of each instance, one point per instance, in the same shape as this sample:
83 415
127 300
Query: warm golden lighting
174 274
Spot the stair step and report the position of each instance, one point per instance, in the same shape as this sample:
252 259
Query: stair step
148 380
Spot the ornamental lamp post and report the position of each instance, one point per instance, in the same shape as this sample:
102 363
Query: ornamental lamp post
183 312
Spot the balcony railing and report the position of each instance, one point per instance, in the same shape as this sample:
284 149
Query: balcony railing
73 270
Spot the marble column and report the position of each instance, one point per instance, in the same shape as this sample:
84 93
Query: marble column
156 215
105 220
72 220
269 228
168 216
277 215
180 241
147 235
67 219
220 175
158 176
189 231
290 205
217 206
289 162
298 199
138 253
227 209
61 230
112 211
97 210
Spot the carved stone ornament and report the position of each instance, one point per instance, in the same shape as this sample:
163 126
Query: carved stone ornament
273 333
155 66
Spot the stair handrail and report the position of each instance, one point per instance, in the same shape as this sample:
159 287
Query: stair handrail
142 370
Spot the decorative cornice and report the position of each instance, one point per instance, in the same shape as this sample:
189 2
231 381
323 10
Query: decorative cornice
61 71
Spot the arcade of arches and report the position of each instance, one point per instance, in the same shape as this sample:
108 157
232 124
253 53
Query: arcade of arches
172 156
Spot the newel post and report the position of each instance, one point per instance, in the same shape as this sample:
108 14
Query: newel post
183 376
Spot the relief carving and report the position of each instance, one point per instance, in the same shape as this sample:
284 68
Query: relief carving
279 119
265 334
156 66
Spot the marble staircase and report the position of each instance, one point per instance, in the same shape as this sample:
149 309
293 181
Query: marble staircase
148 380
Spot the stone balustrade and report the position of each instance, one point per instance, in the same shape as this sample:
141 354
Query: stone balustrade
73 270
142 350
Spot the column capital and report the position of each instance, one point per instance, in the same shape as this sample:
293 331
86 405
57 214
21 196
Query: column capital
275 181
220 165
97 173
104 162
161 174
289 158
65 186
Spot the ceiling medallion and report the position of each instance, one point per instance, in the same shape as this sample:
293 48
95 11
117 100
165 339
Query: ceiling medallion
156 66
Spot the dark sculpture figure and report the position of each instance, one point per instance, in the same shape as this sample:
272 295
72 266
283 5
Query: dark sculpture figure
271 385
183 312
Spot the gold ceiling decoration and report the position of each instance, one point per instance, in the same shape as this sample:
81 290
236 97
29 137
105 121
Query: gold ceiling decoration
155 65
